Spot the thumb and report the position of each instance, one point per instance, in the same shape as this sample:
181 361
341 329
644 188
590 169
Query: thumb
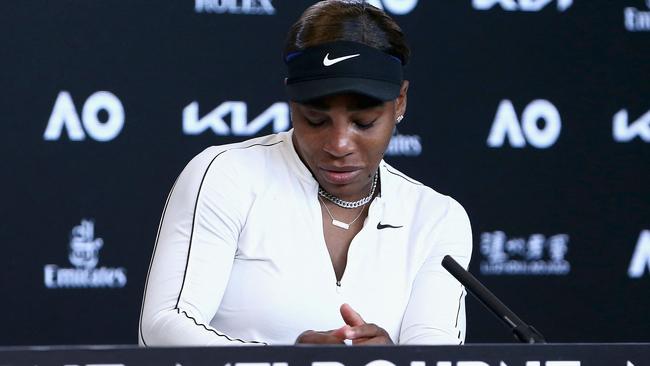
341 332
351 317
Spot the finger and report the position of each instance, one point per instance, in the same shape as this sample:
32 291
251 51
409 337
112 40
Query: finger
340 333
364 331
329 339
370 334
351 317
370 341
312 337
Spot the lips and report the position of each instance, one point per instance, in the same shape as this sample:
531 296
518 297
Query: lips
340 175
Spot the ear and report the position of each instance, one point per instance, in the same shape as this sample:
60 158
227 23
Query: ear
400 102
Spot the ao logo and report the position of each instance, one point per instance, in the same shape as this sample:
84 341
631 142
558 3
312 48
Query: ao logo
624 131
64 116
277 115
398 7
641 257
521 5
507 125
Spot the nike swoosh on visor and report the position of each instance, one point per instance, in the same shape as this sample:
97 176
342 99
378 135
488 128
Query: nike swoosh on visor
329 62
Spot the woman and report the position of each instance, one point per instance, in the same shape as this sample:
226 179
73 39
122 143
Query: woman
308 236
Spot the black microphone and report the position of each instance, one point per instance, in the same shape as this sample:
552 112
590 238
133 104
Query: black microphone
523 332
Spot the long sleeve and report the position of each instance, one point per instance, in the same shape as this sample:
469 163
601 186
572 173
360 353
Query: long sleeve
435 313
193 255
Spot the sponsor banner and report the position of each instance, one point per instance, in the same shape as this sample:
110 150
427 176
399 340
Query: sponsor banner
536 254
65 120
277 115
395 7
231 118
471 355
640 263
404 145
245 7
522 5
265 7
539 104
517 132
84 256
637 20
624 129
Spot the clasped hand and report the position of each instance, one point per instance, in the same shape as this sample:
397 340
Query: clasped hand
355 329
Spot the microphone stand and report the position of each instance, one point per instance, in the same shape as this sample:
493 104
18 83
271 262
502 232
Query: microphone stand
523 332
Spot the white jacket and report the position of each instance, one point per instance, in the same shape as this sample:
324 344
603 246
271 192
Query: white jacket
240 257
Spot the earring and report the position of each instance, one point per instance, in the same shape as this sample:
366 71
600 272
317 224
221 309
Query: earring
399 118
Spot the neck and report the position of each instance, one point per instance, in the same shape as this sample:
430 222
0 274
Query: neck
343 202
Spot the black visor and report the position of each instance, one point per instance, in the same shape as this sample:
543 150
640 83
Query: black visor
343 67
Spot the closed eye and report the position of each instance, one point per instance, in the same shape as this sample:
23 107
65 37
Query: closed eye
365 125
315 122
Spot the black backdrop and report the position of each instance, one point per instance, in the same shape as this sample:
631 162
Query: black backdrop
534 114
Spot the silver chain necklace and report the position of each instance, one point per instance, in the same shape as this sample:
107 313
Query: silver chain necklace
338 223
349 204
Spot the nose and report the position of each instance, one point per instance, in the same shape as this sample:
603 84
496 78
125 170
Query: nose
339 140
